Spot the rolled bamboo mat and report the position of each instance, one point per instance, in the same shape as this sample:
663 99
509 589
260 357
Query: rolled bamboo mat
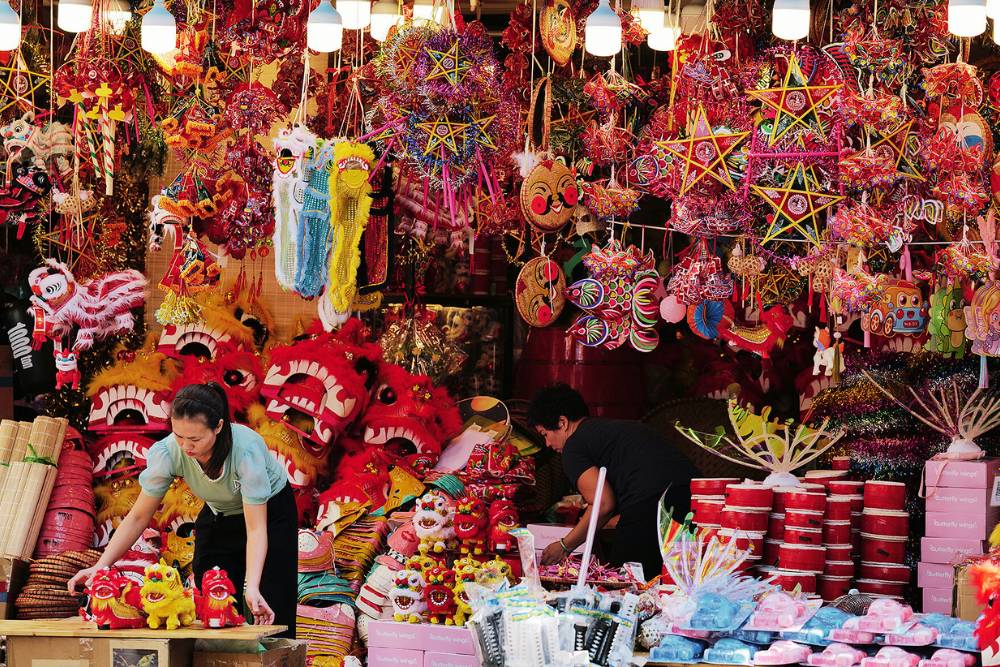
46 437
13 490
21 441
27 487
8 434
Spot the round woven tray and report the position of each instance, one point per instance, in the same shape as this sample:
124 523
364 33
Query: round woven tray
562 584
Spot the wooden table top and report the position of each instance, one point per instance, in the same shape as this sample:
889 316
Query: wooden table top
77 627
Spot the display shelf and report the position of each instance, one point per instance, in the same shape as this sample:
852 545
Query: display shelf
75 627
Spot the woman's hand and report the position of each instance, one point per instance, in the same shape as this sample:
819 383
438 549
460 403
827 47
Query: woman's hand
82 577
262 614
554 553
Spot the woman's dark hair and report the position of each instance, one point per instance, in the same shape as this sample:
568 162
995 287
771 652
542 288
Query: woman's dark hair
209 402
555 401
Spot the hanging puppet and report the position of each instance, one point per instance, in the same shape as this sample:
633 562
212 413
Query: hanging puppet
287 194
350 204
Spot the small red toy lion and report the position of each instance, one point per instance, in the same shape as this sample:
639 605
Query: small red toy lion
471 524
115 602
216 604
985 577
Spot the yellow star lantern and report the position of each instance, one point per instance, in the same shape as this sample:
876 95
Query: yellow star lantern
704 153
796 208
448 65
442 132
894 144
795 102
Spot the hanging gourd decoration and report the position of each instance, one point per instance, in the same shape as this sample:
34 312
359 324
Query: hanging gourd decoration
557 25
539 292
549 195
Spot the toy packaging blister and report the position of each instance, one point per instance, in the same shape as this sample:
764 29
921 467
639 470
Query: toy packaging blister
717 613
779 611
817 629
730 652
675 649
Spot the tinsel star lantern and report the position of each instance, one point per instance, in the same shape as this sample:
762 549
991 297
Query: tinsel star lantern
779 448
703 155
796 205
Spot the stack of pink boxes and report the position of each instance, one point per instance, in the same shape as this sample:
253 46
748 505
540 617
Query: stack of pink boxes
885 529
393 644
960 517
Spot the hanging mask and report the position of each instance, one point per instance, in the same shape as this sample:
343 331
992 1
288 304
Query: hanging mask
558 27
549 195
539 292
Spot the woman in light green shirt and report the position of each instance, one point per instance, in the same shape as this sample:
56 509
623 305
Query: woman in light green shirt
249 524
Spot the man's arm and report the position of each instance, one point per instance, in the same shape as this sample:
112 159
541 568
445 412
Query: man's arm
587 485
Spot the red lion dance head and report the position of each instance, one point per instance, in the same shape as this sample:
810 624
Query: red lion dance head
233 367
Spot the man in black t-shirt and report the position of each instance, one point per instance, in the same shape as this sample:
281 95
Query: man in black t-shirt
640 464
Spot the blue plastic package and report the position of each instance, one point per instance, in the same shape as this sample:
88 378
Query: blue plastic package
817 628
763 637
960 636
730 652
939 621
673 648
714 612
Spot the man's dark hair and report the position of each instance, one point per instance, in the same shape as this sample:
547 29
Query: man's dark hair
555 401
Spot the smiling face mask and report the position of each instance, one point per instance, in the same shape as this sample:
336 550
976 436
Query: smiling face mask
549 195
539 292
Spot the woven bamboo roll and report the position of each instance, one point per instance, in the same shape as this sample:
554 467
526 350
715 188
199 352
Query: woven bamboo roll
10 500
21 441
63 425
8 434
45 437
25 542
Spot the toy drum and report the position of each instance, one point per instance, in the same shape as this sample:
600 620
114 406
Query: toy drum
893 572
707 511
883 588
803 536
840 463
884 495
754 521
789 579
749 496
711 486
744 540
802 557
776 526
836 532
805 500
877 549
831 587
803 519
837 509
885 523
839 568
846 487
771 549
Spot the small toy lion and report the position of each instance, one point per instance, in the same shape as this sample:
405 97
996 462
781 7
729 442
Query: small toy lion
164 599
216 604
114 601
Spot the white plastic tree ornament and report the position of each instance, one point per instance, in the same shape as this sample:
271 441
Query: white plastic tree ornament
780 448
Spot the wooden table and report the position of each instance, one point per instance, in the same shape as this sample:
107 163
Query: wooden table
73 642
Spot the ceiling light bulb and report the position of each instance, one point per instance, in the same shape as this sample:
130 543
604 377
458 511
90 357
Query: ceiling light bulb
75 15
665 39
385 14
790 19
117 15
356 14
966 18
159 29
602 34
324 29
649 13
10 28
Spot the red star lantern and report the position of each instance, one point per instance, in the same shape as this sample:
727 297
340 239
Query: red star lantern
704 153
796 208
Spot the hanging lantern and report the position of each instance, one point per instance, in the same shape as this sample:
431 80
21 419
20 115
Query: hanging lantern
790 19
75 15
118 15
993 9
324 29
665 39
385 14
159 29
649 14
356 14
602 35
966 18
10 28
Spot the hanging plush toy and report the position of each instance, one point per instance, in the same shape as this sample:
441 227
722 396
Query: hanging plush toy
829 352
314 224
67 372
216 604
503 519
287 194
433 520
100 307
948 324
350 205
439 593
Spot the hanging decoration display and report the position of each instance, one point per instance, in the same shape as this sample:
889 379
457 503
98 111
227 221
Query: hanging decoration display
538 292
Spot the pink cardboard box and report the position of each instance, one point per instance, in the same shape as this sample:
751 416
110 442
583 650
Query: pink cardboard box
450 660
948 499
944 550
547 533
935 575
957 526
379 656
937 601
961 474
389 634
448 639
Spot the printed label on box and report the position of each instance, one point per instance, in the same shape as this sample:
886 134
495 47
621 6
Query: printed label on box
935 575
944 550
432 659
389 634
961 474
937 601
394 657
444 639
958 526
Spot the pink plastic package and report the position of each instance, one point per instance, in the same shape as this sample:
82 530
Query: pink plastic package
947 657
837 655
883 615
782 652
779 611
918 635
891 656
852 636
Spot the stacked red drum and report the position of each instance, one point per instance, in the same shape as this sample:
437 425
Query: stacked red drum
68 524
885 528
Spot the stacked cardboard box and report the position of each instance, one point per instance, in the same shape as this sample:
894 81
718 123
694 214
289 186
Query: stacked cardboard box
393 644
961 513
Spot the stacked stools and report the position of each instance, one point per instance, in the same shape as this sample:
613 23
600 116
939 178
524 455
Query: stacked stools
708 498
45 595
885 527
745 518
801 555
69 522
841 535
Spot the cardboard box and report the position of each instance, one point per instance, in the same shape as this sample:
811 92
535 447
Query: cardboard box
421 637
944 550
972 501
95 652
966 606
13 576
450 660
936 575
547 533
449 639
937 601
961 474
276 653
394 657
957 526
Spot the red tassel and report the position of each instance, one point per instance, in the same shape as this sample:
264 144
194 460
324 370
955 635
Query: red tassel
823 317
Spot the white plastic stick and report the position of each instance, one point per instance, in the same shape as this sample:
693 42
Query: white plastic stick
595 510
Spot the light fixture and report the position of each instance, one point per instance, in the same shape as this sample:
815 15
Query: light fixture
602 35
790 19
117 15
385 14
324 29
996 32
356 14
993 9
665 39
75 15
649 14
10 27
966 18
159 29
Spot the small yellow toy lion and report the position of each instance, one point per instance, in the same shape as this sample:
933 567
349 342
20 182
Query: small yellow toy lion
164 599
